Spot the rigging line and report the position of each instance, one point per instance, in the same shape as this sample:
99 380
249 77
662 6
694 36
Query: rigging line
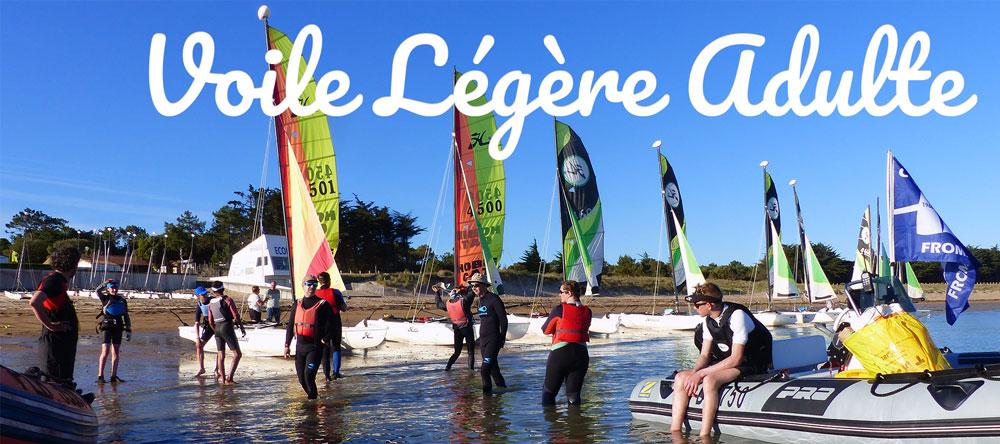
438 208
753 277
258 217
540 278
659 252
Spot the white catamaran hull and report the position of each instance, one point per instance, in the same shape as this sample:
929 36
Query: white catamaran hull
17 295
667 322
362 336
823 409
148 295
605 325
775 319
260 340
517 327
416 333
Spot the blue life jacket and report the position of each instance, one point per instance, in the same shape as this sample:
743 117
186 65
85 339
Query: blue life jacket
115 307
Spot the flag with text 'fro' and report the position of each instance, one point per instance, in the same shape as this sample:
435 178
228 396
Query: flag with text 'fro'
921 235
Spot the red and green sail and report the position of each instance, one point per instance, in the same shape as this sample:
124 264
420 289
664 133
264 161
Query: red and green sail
480 191
308 176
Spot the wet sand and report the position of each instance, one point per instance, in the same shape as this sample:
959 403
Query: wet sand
161 315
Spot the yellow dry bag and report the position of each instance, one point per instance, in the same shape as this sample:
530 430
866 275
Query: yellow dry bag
897 343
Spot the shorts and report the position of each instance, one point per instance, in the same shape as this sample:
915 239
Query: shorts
206 333
225 334
112 336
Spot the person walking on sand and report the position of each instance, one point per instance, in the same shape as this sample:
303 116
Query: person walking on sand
223 317
310 321
203 332
254 304
492 332
336 300
114 321
459 308
569 325
273 303
733 344
54 310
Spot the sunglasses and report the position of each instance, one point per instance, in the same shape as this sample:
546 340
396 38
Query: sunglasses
700 304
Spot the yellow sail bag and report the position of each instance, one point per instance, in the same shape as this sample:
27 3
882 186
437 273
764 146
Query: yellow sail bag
897 343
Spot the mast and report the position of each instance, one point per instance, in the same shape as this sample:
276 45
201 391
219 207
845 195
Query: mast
768 259
668 219
800 251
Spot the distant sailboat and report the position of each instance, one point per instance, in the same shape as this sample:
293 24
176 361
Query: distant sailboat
816 285
780 283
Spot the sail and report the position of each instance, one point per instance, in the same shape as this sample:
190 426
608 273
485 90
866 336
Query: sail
686 273
480 191
864 258
815 282
913 288
308 176
580 209
779 274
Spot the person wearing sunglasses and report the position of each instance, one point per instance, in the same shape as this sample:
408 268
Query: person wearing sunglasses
492 332
310 322
569 325
733 344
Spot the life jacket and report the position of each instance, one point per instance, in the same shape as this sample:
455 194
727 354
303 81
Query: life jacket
204 308
456 311
115 307
327 295
305 319
55 302
220 311
758 347
573 325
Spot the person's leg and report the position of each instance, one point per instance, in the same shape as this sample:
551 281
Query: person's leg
327 367
115 354
234 345
335 344
459 343
68 355
199 351
220 357
102 360
313 359
470 339
680 403
577 373
300 368
489 357
554 376
711 385
495 372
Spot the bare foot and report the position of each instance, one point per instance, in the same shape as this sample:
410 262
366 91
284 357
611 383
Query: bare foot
229 381
200 372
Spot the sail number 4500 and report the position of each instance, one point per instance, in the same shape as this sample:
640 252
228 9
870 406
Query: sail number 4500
487 207
322 188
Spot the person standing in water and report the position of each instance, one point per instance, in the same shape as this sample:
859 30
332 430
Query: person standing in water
492 332
569 325
459 308
203 332
336 300
114 321
223 317
310 322
734 344
54 310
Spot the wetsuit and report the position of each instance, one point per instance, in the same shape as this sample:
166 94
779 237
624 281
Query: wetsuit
757 351
336 300
57 349
492 335
222 314
115 319
464 332
309 350
201 321
568 360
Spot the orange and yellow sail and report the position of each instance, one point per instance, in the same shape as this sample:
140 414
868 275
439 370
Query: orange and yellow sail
308 177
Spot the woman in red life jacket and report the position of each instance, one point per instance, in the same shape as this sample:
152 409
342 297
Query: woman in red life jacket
310 322
54 309
336 300
459 308
569 325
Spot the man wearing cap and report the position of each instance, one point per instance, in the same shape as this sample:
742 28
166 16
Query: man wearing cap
203 332
224 318
733 343
492 331
272 300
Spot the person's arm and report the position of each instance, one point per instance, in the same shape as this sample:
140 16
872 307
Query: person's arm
691 384
550 325
43 315
439 299
236 316
290 329
339 298
326 312
502 315
211 318
128 321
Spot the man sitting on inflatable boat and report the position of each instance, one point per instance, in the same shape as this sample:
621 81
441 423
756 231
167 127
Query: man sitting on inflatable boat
735 344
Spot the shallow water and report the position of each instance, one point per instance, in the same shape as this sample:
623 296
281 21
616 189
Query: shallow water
406 401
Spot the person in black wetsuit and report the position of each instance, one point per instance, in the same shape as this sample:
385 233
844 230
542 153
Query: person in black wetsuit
569 325
310 322
459 308
54 310
336 300
492 332
203 332
114 321
734 344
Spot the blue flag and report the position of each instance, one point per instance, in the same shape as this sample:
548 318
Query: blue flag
920 235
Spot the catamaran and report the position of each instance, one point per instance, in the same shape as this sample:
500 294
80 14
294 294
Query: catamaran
814 281
780 283
684 269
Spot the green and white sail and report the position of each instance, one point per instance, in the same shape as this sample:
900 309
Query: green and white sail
815 282
864 258
781 283
913 288
686 272
580 208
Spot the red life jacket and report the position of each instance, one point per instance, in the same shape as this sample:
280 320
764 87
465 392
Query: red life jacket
54 302
574 325
326 294
305 319
456 311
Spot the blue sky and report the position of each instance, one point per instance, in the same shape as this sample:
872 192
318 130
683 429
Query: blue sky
80 138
